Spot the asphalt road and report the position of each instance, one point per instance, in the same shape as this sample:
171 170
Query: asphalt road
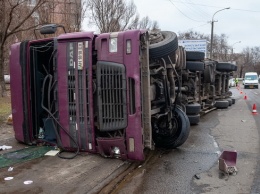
193 168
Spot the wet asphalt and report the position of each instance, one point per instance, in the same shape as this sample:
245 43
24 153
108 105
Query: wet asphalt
193 168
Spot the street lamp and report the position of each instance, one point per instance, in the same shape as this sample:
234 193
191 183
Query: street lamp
233 46
212 27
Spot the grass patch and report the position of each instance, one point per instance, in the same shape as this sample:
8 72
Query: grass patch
5 108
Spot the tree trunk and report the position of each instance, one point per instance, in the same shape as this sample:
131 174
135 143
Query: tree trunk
2 80
241 71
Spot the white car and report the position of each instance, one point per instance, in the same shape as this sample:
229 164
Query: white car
231 82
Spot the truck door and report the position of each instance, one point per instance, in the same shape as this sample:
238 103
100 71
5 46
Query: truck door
19 89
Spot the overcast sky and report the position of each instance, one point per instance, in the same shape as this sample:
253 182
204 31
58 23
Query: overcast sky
240 23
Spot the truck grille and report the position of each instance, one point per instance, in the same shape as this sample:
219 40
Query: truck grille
79 97
111 81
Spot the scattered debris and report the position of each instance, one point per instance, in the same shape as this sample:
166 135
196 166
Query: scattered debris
8 178
227 162
231 170
28 182
9 120
52 153
197 176
243 121
5 147
10 169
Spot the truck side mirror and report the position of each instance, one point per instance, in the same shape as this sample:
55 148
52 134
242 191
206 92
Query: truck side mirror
49 29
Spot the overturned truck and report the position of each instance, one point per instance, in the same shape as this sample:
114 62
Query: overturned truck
113 93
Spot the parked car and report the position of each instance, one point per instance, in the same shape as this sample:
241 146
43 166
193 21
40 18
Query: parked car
231 82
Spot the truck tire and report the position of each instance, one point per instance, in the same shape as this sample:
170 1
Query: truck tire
195 56
229 101
221 104
234 67
165 48
222 66
193 109
194 119
209 72
175 137
195 66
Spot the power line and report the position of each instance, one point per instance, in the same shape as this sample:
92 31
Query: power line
200 10
236 9
200 26
193 9
183 13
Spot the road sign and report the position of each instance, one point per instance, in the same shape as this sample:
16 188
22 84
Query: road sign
194 45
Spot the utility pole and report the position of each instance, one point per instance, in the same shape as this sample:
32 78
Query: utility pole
212 29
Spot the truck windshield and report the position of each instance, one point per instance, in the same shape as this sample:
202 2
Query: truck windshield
251 77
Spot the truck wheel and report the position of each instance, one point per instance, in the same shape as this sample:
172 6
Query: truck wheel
195 66
229 101
222 66
169 138
234 67
209 73
193 109
165 48
194 119
221 104
195 56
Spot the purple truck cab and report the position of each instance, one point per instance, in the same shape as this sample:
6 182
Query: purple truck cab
94 93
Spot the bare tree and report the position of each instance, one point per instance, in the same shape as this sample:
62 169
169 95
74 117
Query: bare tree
250 60
12 22
155 25
70 14
17 26
146 23
116 15
189 35
221 48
